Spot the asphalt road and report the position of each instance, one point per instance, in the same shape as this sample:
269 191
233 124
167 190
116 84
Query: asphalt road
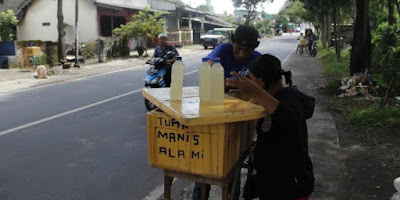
86 139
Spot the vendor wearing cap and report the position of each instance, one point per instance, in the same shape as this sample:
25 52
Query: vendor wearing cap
162 50
236 56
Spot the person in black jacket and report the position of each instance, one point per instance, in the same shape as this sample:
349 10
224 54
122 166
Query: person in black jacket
283 165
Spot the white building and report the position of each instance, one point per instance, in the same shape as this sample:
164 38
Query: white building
40 21
38 18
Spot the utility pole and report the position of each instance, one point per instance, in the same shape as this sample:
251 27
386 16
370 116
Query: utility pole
61 32
76 35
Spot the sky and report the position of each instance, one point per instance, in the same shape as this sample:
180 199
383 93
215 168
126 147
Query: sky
220 6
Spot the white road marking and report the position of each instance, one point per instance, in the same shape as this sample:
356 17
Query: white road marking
157 192
74 110
194 71
67 113
284 61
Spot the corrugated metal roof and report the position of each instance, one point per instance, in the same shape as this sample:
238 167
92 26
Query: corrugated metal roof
163 6
224 23
116 5
13 5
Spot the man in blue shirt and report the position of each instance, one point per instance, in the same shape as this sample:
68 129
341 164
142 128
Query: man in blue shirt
160 52
234 57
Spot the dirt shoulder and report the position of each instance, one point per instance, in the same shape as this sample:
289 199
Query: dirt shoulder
350 162
370 154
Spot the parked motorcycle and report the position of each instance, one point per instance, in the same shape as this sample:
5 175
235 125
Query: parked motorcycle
155 76
313 50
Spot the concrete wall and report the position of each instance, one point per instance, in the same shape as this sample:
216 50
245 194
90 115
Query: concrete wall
31 27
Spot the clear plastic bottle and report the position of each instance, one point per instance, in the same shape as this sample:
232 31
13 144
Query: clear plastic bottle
217 83
177 80
205 81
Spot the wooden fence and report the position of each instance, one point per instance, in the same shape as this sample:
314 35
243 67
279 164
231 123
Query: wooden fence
180 38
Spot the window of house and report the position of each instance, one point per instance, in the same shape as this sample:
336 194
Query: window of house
105 24
1 1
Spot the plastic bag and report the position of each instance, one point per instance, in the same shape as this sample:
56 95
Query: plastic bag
396 183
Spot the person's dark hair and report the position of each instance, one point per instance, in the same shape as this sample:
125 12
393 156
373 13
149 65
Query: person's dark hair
246 36
268 68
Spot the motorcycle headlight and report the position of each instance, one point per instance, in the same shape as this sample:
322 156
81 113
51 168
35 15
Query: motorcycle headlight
146 80
154 81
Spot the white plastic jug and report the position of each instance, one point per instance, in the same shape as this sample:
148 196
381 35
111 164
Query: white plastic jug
177 80
217 83
205 81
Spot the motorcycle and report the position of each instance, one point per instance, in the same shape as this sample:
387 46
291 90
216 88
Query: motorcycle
155 76
313 50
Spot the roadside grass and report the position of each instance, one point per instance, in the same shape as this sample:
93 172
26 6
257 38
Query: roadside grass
333 69
357 112
388 116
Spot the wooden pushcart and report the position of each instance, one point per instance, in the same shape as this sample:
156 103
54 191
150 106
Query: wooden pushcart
199 141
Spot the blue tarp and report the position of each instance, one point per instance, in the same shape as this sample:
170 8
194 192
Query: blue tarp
7 48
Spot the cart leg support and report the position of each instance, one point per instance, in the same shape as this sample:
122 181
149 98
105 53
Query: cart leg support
167 187
227 184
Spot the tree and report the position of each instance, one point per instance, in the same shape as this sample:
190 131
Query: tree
281 20
295 11
250 6
143 26
61 32
391 20
264 25
397 6
205 8
322 13
319 12
229 19
361 45
263 14
8 20
386 52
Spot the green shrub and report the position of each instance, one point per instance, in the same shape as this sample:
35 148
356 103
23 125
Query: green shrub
386 53
380 80
43 59
90 49
346 53
8 21
333 84
388 116
119 48
332 68
124 51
